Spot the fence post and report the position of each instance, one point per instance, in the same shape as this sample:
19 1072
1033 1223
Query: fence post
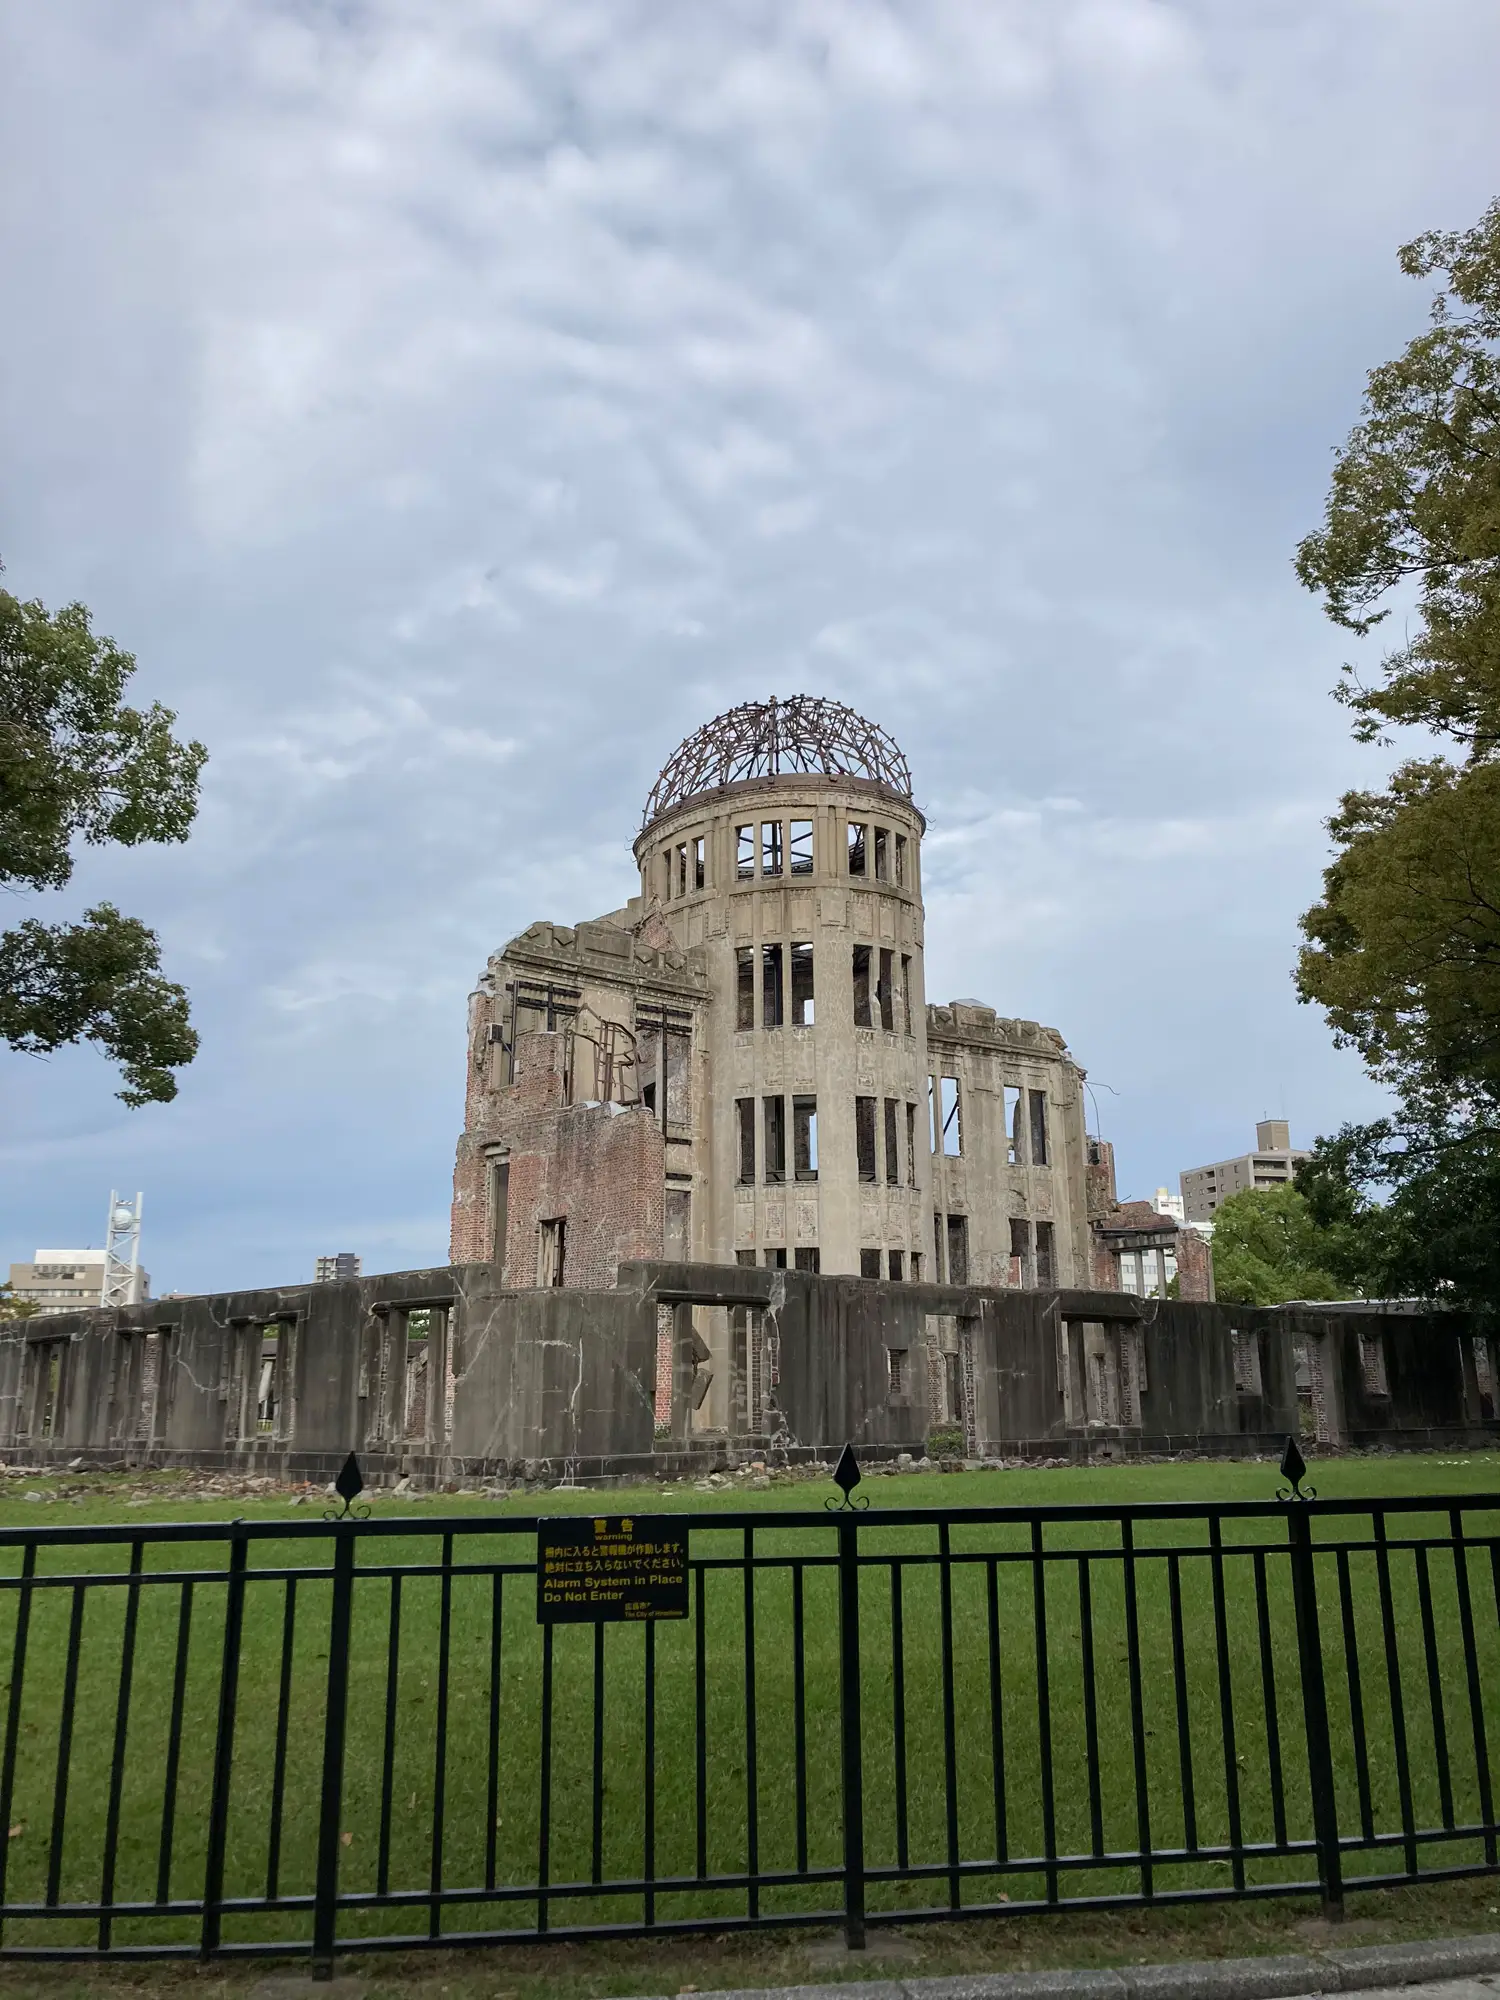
218 1803
1315 1709
325 1900
854 1809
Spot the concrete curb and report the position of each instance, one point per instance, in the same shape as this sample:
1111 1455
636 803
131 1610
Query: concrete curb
1359 1969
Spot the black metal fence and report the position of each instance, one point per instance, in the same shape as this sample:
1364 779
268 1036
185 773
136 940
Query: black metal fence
268 1736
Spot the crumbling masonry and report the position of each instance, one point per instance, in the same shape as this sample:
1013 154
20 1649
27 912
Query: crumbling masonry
729 1185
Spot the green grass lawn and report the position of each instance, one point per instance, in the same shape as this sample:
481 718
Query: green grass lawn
1003 1790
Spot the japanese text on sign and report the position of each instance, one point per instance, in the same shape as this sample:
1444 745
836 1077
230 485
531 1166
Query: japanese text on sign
606 1567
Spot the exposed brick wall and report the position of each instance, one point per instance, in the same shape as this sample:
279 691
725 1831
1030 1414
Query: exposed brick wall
1195 1266
598 1167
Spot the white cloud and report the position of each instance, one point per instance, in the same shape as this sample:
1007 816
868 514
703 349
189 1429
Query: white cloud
453 407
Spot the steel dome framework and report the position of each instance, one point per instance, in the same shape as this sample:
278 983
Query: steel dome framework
761 739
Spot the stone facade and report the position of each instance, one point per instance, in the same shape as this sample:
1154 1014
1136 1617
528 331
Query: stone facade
444 1374
762 1002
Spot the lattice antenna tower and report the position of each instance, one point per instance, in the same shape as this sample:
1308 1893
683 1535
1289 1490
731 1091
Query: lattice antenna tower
122 1250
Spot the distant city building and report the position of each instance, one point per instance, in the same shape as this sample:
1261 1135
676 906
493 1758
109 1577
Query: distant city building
63 1280
1272 1164
330 1269
1169 1204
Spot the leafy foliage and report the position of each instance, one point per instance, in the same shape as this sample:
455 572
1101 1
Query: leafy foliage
13 1308
1403 950
1269 1248
77 764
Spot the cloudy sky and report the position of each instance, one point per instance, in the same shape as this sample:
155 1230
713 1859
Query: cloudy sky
453 406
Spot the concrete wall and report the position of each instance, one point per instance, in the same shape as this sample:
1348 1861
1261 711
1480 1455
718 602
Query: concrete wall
444 1374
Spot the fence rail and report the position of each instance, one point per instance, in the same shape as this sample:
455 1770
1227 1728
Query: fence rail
268 1737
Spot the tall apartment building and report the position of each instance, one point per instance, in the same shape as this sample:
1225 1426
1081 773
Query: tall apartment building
1272 1164
741 1065
328 1270
62 1280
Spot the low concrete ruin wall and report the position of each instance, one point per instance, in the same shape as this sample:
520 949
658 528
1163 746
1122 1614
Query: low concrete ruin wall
441 1375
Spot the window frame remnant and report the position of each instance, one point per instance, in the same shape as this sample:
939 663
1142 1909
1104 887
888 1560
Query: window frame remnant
700 862
744 1113
1037 1132
882 854
552 1252
906 1027
869 1265
858 836
900 870
958 1248
864 1140
770 849
744 987
950 1102
1020 1252
800 984
806 1258
1046 1256
800 846
896 1373
861 975
1013 1099
773 1133
773 1257
682 867
744 852
772 960
885 991
911 1144
805 1138
895 1262
892 1142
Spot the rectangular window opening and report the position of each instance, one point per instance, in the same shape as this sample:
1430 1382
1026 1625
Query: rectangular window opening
905 994
682 868
916 1267
1046 1257
774 1259
1020 1251
744 851
869 1263
800 846
553 1248
802 985
770 985
1013 1117
886 989
953 1131
900 860
744 986
862 986
666 874
958 1250
805 1138
770 847
806 1257
882 855
911 1145
892 1142
744 1113
774 1112
897 1376
864 1137
856 848
700 863
896 1261
1038 1128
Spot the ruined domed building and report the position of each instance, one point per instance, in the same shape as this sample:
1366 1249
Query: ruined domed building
742 1066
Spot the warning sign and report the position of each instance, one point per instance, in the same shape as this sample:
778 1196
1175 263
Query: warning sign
610 1566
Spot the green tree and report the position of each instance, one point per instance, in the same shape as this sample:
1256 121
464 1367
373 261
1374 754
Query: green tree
1268 1248
76 764
1403 949
13 1308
